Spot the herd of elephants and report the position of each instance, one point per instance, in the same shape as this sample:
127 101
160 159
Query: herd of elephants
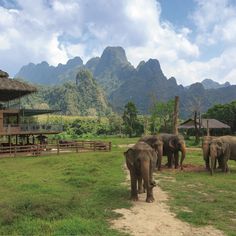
146 156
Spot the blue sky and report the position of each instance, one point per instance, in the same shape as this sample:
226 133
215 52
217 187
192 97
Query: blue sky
192 39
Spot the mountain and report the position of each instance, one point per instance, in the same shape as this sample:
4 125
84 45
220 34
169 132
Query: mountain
112 69
211 84
43 73
149 84
80 97
114 81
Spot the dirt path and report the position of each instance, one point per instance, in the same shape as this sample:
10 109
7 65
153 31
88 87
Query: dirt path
149 219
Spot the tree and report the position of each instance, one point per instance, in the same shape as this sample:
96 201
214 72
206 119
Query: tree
162 116
195 106
225 113
130 119
115 124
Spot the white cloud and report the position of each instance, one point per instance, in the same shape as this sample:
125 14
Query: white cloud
57 30
215 21
61 30
221 69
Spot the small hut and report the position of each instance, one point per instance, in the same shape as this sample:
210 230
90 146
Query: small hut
212 124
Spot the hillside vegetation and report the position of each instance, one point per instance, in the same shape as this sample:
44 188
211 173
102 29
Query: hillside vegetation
119 82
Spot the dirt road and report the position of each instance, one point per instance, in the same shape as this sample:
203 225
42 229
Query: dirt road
156 219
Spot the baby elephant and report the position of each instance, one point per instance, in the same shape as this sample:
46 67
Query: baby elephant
141 160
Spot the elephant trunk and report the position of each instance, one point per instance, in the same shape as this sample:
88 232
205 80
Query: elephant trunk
183 152
213 162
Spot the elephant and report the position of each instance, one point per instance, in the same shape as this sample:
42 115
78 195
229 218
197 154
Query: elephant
168 145
223 147
140 160
206 141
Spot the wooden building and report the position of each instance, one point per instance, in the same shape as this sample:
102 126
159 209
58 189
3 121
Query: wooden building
212 124
13 123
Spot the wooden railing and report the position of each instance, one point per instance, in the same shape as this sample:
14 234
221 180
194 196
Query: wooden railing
58 148
16 128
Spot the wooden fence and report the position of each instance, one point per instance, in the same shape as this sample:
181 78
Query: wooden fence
58 148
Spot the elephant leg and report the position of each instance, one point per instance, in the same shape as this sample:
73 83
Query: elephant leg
176 159
133 179
159 159
220 163
170 159
151 180
225 167
207 163
215 164
145 168
140 185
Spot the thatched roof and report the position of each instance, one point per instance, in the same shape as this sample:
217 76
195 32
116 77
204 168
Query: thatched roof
11 89
212 123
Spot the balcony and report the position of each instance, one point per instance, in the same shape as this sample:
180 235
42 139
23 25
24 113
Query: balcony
31 129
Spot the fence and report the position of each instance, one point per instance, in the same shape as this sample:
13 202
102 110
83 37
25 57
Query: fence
58 148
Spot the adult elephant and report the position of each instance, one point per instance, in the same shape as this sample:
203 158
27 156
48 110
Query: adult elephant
140 160
223 147
206 141
167 145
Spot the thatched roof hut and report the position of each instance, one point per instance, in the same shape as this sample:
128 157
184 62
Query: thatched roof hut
11 89
212 124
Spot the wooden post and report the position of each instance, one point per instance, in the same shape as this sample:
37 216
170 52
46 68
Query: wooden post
77 148
208 130
94 146
10 144
37 153
196 128
109 146
58 147
15 151
176 115
1 121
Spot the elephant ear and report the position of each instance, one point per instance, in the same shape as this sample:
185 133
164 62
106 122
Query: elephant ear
130 156
226 150
173 143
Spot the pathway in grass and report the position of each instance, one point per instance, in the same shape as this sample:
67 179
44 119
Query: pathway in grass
157 219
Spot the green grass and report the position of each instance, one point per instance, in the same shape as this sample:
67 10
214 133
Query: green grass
61 195
74 194
202 199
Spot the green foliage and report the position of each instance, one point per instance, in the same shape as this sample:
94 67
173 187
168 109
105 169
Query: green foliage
162 116
84 97
84 127
225 113
115 124
130 119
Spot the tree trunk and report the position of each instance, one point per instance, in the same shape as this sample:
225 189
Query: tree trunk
196 128
176 115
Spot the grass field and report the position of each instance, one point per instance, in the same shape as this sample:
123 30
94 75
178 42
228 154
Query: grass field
74 194
65 195
202 199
